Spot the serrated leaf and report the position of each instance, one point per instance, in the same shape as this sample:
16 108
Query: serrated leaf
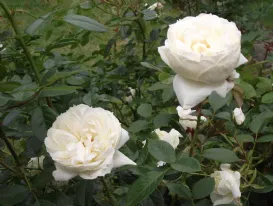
8 86
145 110
224 115
180 189
161 150
58 91
220 154
265 138
267 98
187 164
85 22
259 121
13 194
138 125
203 188
144 186
249 90
11 117
38 124
244 138
217 102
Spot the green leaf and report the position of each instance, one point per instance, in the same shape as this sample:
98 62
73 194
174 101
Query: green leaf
85 22
180 190
187 164
249 90
13 194
265 138
203 188
49 115
217 102
11 117
244 138
138 125
145 110
150 66
158 86
221 154
38 124
259 121
264 84
58 91
267 98
8 86
87 99
161 150
38 24
63 75
144 186
84 192
168 93
162 120
224 115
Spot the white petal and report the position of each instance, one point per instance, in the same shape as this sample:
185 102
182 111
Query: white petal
220 199
163 51
190 93
123 138
242 60
90 175
63 174
161 163
120 159
225 167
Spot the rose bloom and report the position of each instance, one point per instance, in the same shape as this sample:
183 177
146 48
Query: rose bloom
84 141
239 116
172 138
227 186
204 52
186 119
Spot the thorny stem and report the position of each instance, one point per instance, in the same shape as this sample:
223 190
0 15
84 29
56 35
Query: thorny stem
108 193
198 110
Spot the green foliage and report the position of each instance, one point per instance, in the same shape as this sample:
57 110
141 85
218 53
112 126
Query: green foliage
105 54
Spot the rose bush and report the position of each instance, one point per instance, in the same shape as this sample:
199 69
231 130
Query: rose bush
84 141
58 71
204 52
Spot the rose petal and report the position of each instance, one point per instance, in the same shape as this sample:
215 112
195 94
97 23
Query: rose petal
90 175
242 60
63 174
123 138
220 199
225 167
120 159
190 93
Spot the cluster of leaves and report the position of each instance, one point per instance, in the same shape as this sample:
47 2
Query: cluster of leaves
73 68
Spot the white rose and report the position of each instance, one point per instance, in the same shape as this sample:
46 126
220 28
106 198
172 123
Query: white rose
186 119
203 51
84 141
172 138
131 96
34 164
227 186
239 116
157 5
